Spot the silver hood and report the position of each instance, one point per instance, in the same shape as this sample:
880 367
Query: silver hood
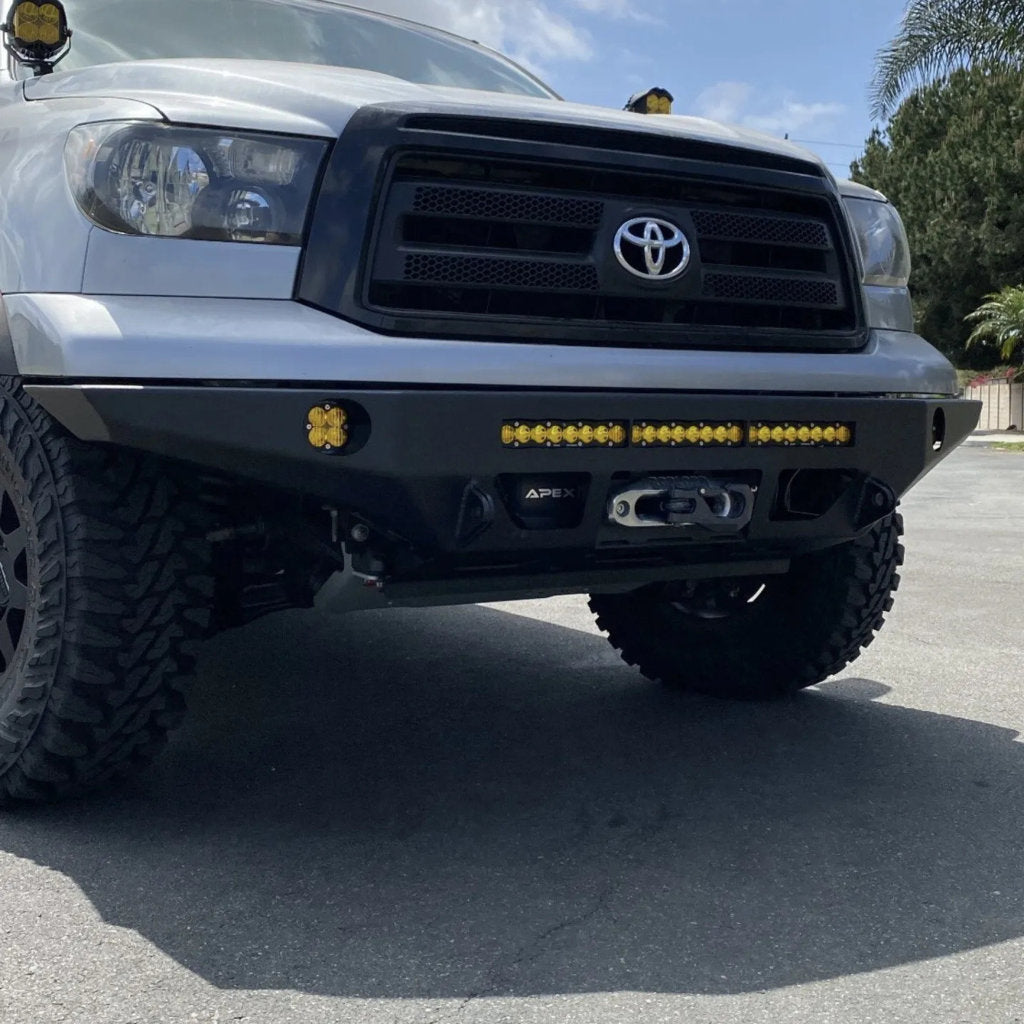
314 100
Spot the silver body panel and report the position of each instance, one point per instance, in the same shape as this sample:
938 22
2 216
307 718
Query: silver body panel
136 265
888 308
126 337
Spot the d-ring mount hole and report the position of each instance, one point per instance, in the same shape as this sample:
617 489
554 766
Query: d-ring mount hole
938 430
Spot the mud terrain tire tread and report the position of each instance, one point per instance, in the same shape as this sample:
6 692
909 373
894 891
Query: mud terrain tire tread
119 598
808 625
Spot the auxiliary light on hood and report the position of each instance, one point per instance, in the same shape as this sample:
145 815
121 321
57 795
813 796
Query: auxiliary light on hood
37 34
654 101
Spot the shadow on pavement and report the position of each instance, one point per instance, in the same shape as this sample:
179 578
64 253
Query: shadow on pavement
451 803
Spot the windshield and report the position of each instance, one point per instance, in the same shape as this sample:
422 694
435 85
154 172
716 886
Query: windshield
296 31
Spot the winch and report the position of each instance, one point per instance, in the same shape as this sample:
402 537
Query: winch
696 502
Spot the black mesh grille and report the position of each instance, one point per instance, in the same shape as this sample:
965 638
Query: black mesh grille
516 243
747 288
739 227
512 274
506 206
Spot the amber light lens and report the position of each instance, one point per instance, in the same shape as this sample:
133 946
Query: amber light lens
327 427
564 434
809 435
693 434
39 23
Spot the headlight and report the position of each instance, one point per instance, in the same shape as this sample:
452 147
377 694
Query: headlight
884 251
152 179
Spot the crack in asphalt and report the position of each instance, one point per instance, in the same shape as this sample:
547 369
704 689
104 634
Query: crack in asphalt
526 953
599 904
458 1009
532 950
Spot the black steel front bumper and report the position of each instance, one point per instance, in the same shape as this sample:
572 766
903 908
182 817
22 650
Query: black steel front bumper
431 469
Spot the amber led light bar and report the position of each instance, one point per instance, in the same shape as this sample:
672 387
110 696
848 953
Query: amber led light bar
675 434
810 435
564 434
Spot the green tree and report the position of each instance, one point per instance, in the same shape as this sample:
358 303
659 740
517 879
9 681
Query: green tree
952 161
1000 321
938 36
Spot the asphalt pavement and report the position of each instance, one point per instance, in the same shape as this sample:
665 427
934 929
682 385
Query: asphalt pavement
481 815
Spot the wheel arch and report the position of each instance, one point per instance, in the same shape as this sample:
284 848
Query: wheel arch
8 360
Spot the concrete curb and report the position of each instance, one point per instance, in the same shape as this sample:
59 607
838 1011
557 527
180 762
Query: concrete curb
988 437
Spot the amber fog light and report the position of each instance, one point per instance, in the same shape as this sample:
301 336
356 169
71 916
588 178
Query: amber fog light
327 427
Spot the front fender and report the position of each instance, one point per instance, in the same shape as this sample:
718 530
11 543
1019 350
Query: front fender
43 234
8 360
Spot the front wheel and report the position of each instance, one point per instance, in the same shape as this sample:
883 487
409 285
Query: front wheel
104 596
755 639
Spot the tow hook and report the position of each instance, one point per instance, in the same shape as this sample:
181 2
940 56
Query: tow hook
719 506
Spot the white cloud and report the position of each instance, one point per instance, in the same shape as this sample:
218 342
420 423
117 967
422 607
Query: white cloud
793 117
724 101
528 30
775 113
618 9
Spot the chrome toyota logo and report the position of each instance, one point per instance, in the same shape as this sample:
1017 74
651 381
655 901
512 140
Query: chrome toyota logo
656 250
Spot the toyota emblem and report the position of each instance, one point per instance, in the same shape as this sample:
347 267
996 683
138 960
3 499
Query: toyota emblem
653 249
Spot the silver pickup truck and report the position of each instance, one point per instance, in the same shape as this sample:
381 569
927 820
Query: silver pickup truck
302 305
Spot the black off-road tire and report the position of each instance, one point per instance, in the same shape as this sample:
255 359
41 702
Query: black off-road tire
802 628
105 596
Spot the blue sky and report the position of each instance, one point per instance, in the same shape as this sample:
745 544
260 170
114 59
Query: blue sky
796 66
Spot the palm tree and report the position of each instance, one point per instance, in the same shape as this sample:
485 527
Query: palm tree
1000 320
937 36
